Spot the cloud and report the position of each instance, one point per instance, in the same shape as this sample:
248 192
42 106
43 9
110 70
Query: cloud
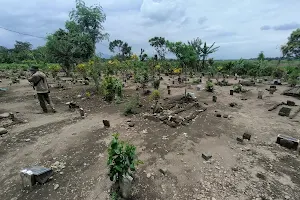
201 20
265 27
282 27
236 29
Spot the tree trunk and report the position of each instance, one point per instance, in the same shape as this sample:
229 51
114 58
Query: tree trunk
203 62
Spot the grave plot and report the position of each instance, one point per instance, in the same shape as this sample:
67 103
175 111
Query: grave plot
176 111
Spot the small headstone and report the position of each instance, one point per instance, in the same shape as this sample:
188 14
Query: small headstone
272 86
214 98
287 141
106 123
198 87
284 111
233 104
169 92
260 94
35 174
81 111
225 116
247 136
3 131
231 92
290 103
206 156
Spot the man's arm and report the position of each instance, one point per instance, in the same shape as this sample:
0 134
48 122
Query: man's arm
33 79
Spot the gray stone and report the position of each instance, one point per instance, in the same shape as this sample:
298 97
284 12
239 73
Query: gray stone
3 131
206 156
225 116
287 141
4 115
131 124
218 115
56 186
284 111
163 171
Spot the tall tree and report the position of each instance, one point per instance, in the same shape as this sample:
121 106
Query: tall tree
184 53
77 42
90 21
196 44
160 46
122 49
22 51
292 48
206 50
261 56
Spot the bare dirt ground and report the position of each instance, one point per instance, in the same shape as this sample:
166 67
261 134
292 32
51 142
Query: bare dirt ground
258 169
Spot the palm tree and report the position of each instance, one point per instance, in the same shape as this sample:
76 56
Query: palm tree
206 50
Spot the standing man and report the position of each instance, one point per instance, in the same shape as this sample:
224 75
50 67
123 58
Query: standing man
40 84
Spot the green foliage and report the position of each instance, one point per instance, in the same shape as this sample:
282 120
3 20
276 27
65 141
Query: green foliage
159 43
278 72
209 86
237 88
122 49
111 87
114 196
122 159
89 20
130 107
155 95
184 53
292 48
261 56
54 69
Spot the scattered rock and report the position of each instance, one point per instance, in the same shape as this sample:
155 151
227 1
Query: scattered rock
233 104
240 139
106 123
56 186
163 171
3 131
290 103
148 175
225 116
27 140
218 115
261 176
206 156
131 124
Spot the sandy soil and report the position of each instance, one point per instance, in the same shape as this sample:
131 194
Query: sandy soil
257 169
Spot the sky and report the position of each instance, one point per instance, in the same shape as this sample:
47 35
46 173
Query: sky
242 28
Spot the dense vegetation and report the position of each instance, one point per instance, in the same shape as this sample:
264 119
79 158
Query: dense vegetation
73 49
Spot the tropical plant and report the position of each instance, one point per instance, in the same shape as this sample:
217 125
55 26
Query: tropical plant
111 87
209 86
160 45
122 159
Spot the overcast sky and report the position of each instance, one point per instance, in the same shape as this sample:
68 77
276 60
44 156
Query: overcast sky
242 28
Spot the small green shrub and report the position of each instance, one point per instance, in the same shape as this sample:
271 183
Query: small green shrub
130 107
209 86
155 95
122 159
111 87
237 88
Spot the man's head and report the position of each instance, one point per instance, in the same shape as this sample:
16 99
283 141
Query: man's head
33 69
